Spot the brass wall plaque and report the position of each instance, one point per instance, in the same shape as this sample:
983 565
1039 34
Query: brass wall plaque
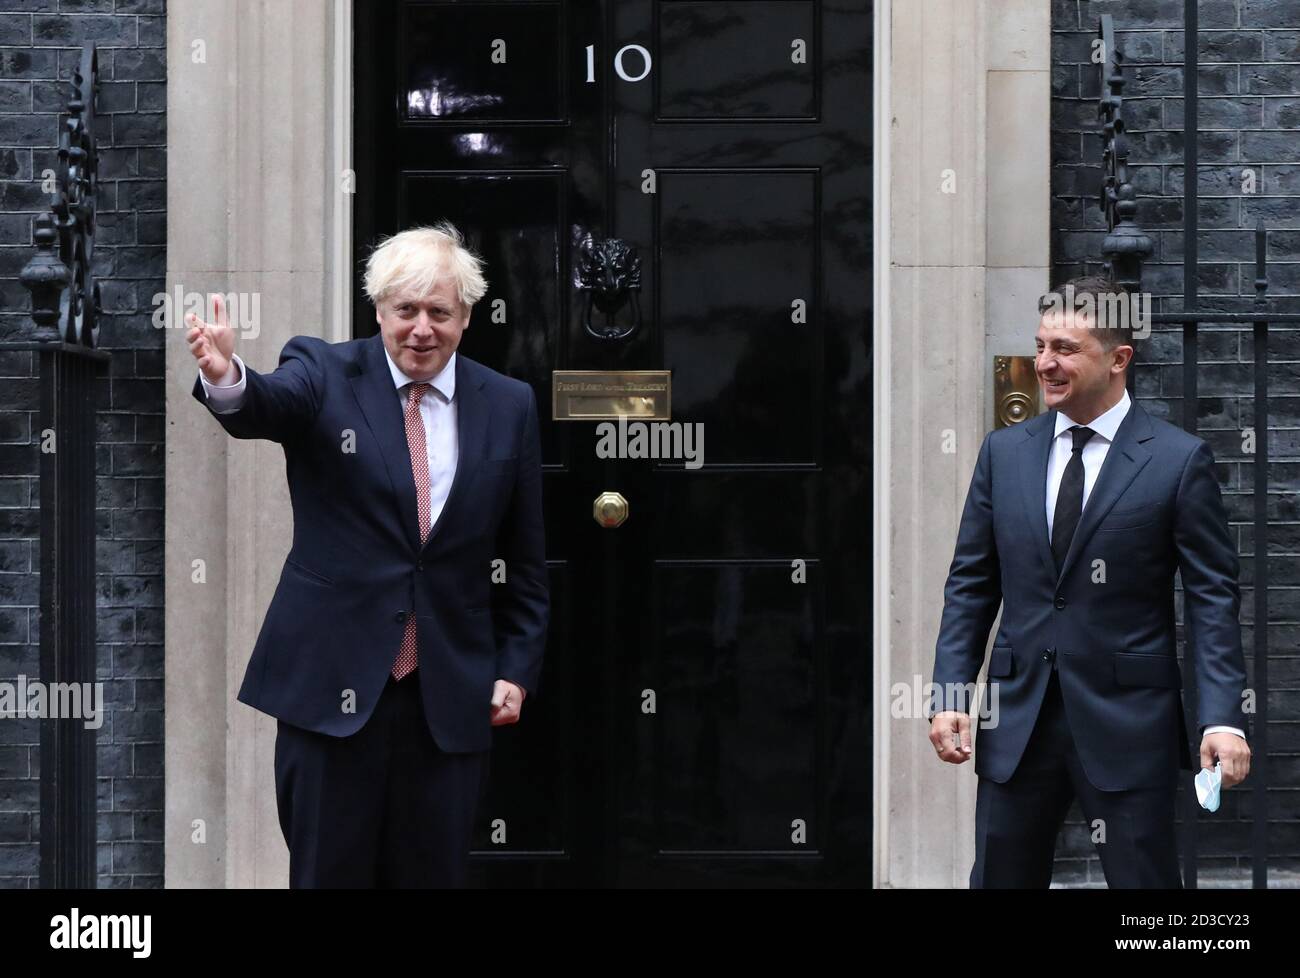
607 395
1015 391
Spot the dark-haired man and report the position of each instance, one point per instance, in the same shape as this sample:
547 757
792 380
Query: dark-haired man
1075 524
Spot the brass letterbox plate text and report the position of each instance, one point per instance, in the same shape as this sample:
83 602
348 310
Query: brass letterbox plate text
607 395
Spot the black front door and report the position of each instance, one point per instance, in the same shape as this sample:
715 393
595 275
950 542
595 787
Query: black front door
704 716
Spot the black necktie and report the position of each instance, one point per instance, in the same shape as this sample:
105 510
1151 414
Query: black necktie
1069 500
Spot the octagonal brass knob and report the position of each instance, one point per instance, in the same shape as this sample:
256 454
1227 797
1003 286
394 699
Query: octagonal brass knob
609 510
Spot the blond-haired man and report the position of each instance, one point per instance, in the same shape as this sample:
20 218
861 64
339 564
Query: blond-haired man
388 653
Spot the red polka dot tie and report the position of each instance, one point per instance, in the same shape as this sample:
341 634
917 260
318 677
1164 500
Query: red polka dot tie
406 661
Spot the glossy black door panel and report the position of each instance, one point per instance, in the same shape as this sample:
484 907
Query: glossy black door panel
757 210
479 61
736 292
704 717
736 743
738 60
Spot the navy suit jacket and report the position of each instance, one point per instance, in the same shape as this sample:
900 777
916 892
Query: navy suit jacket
1107 620
357 569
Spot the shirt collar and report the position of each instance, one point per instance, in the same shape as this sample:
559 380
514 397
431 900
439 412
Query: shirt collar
1106 425
444 383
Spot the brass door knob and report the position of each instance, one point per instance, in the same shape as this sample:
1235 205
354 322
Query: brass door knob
609 510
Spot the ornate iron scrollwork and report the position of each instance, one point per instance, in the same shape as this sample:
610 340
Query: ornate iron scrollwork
1126 246
609 271
65 295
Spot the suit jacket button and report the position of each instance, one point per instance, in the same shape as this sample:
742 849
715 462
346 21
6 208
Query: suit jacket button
1047 654
419 565
400 617
1060 603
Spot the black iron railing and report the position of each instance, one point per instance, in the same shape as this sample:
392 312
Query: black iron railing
1125 248
65 311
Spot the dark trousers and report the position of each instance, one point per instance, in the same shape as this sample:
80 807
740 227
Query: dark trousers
384 807
1016 823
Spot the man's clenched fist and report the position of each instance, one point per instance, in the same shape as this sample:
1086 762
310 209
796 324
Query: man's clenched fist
507 702
950 736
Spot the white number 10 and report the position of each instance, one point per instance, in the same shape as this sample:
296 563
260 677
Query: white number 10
618 62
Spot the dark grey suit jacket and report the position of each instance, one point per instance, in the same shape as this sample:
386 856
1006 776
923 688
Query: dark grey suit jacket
1107 620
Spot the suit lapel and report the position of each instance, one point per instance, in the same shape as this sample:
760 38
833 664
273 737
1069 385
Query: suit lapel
1123 462
1033 454
472 411
377 396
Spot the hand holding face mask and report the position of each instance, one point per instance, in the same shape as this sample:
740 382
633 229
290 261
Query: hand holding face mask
1207 787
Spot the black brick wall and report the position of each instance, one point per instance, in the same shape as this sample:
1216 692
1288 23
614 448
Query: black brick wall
1249 103
39 42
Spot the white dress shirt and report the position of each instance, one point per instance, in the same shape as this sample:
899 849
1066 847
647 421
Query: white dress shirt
437 411
1094 454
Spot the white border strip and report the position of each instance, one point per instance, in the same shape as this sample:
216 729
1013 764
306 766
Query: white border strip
340 203
880 432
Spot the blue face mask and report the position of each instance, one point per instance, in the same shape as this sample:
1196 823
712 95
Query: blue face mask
1207 787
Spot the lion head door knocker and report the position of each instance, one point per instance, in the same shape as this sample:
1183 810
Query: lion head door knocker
609 271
